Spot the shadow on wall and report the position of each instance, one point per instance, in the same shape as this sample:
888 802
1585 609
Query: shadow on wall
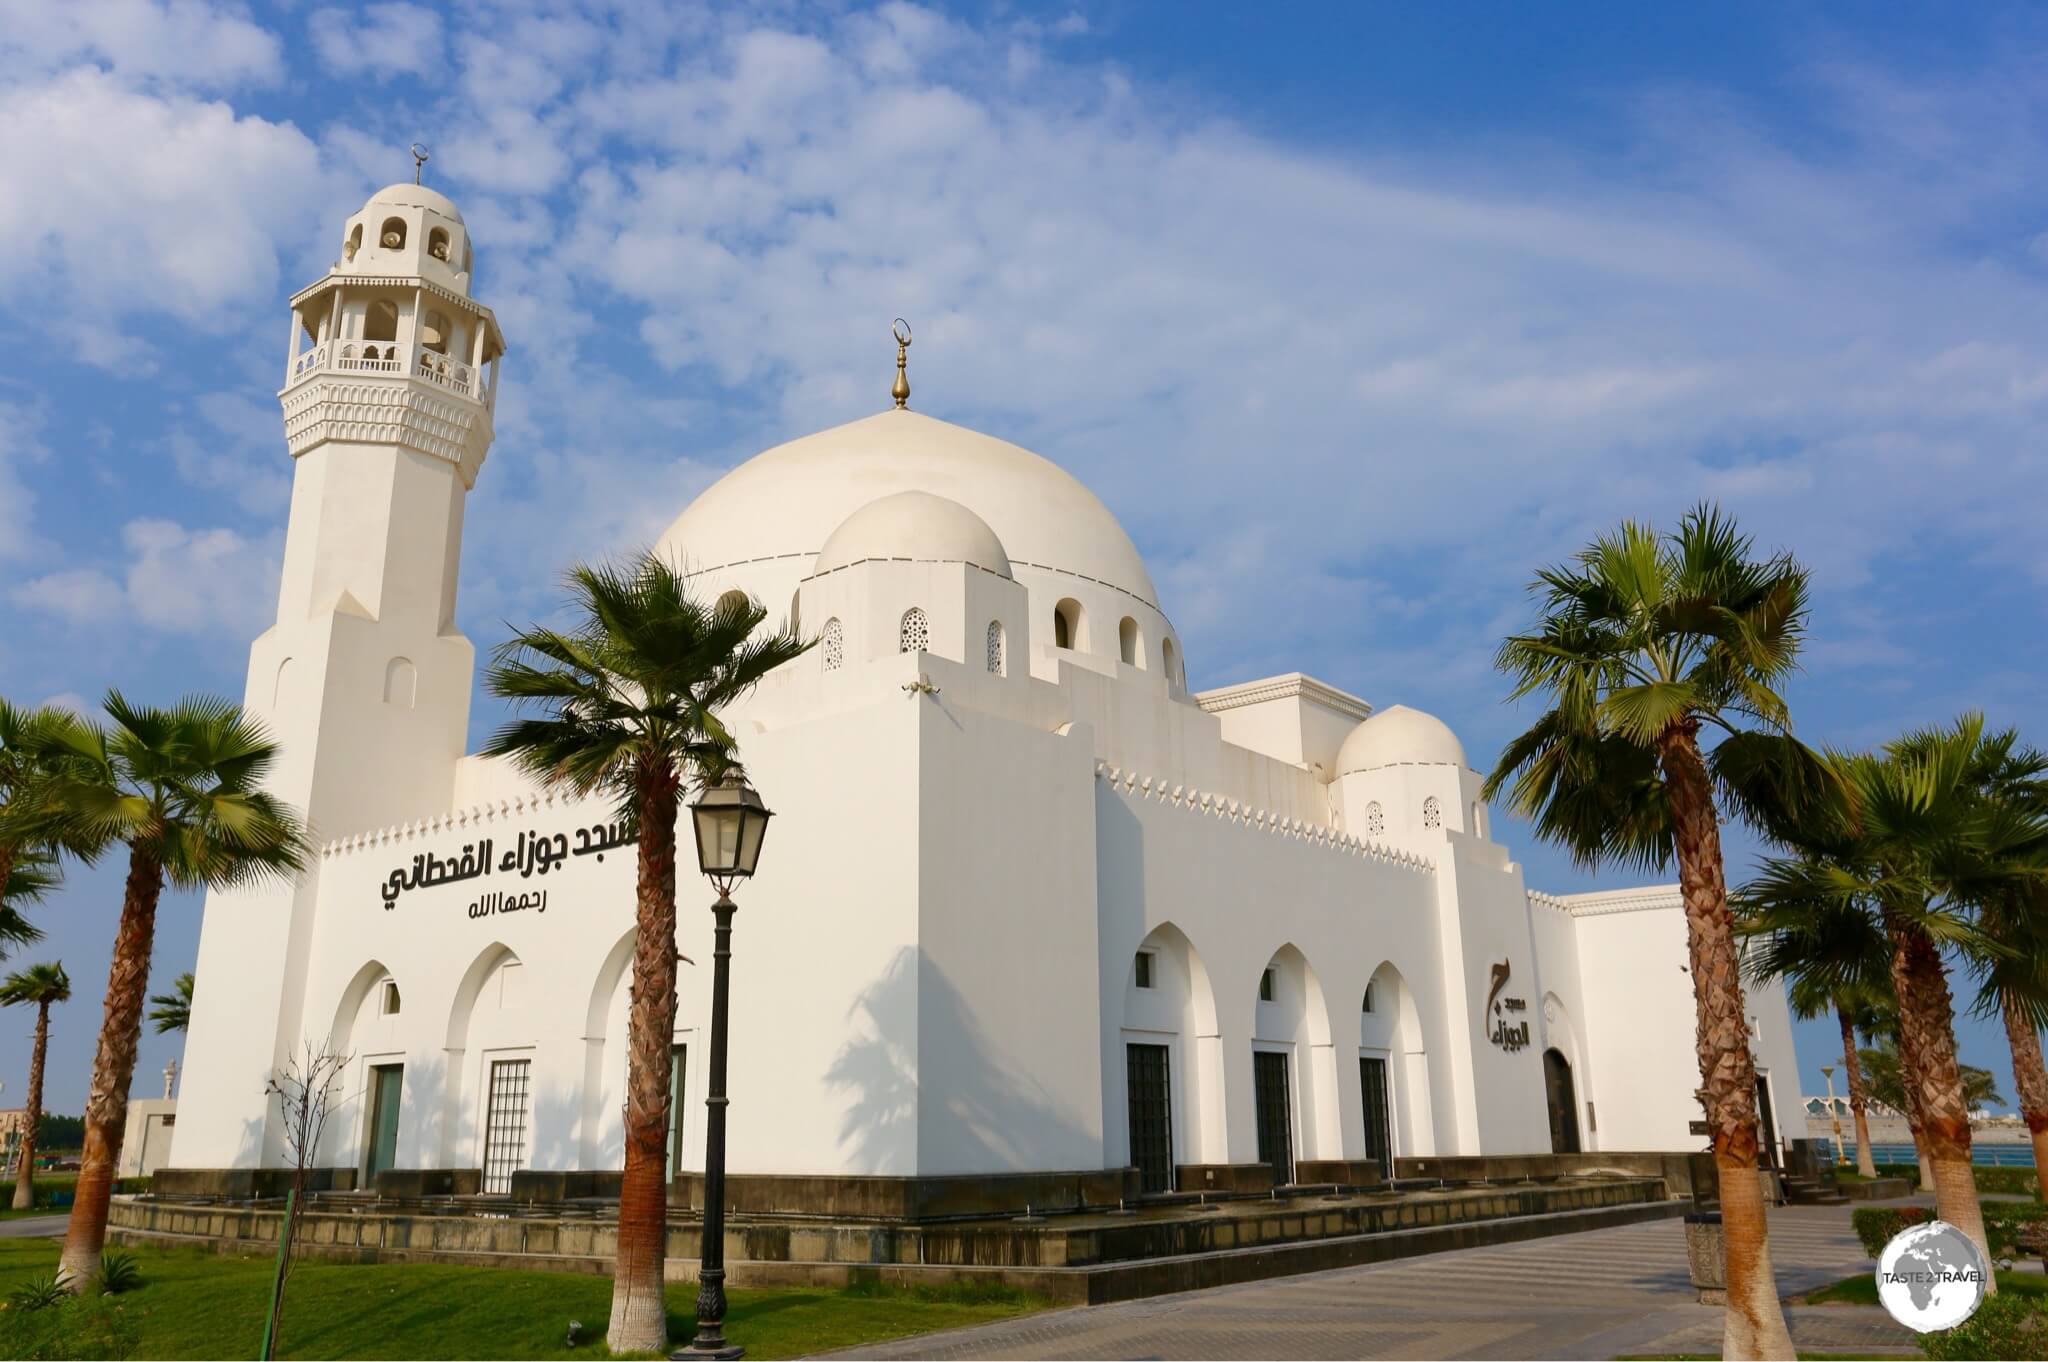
994 1120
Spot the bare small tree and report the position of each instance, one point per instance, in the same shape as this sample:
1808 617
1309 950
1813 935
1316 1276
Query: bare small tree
304 1089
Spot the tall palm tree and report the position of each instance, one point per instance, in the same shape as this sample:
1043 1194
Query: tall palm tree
1644 643
1919 853
173 1011
182 788
2013 780
1834 962
1885 1069
40 987
628 698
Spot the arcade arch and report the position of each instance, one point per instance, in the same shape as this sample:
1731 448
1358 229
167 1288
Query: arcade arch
1390 1034
1172 1061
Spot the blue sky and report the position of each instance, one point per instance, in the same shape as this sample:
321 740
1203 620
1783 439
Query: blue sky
1354 314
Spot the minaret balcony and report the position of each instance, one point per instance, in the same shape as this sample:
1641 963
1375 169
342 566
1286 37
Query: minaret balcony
393 357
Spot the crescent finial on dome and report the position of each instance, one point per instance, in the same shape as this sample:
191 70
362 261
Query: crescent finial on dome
901 391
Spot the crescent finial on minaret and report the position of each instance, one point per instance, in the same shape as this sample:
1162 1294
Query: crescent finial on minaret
901 391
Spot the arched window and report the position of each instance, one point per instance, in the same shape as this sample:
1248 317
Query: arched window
995 647
1128 644
1478 823
391 236
437 243
1367 1005
915 633
1432 813
1066 625
354 242
434 335
832 644
734 599
401 682
796 600
380 323
1375 820
1169 660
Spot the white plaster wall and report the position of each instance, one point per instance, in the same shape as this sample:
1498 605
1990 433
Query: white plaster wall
1640 1021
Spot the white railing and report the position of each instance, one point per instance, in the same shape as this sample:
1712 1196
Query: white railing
449 373
389 357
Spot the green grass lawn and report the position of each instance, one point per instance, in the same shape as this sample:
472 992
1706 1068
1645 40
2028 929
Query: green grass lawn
1862 1288
198 1304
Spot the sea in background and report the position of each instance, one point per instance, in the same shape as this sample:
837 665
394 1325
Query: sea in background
1994 1155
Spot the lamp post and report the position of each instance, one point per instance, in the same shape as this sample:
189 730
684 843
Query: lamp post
730 821
1828 1071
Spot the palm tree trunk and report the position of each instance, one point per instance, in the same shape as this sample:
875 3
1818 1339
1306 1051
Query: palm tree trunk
1916 1126
1754 1324
639 1313
1852 1073
2030 1076
25 1179
1927 1040
113 1068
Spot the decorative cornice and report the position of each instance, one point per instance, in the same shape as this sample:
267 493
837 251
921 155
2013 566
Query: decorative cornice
388 409
1285 687
1236 811
1599 903
476 815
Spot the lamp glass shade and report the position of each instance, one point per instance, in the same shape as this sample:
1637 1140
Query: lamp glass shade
731 822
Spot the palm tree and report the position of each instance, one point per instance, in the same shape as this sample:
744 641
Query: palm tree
1833 961
628 698
2013 780
182 787
1887 1079
1915 848
1643 643
32 751
173 1011
38 986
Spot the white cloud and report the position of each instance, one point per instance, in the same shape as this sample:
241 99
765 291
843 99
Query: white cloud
234 447
118 202
177 43
19 444
378 40
211 582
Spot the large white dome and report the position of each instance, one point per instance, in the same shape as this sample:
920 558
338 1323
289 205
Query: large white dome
1398 735
785 503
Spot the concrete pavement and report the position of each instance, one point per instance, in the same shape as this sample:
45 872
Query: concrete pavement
34 1226
1594 1295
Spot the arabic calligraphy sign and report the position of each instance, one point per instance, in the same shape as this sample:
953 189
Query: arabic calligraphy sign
533 854
1509 1034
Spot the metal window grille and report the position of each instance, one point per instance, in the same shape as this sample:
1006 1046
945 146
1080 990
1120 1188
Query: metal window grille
1379 1127
1375 820
834 646
1269 1100
995 647
505 1123
1151 1109
1432 813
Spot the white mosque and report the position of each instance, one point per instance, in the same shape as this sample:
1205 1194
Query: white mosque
1030 906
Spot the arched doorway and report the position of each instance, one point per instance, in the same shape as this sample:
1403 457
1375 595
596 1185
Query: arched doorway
1564 1103
1173 1062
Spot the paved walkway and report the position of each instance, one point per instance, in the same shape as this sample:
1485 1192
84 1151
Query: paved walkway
1593 1295
34 1226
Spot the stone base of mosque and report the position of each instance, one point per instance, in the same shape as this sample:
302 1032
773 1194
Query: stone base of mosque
1073 1256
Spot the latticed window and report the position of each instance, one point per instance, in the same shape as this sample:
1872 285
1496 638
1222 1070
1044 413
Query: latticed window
1375 820
505 1123
916 634
995 646
833 645
1432 813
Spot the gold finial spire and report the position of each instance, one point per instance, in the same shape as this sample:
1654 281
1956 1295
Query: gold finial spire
901 392
419 161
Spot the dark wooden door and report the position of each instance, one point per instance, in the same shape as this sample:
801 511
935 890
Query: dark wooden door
1276 1124
1379 1125
1151 1101
1564 1103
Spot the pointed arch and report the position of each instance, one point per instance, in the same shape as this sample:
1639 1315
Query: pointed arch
1176 1011
341 1033
1391 1032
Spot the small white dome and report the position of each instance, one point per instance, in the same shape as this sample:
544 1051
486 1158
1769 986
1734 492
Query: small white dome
414 196
1399 734
918 526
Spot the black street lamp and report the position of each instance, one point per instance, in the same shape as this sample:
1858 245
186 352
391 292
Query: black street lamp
730 820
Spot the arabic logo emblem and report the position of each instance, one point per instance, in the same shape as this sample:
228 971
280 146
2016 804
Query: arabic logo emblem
1931 1276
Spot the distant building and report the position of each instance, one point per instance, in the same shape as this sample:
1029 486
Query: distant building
146 1141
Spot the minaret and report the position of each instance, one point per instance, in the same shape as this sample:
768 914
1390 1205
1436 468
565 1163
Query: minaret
390 381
